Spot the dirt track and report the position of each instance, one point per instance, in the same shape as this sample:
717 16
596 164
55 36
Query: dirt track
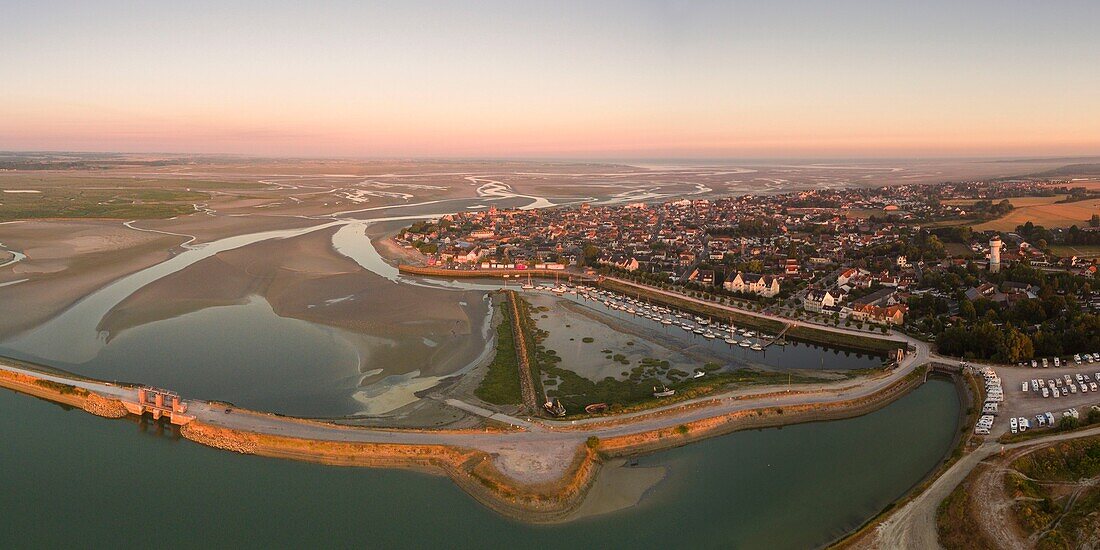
526 384
914 525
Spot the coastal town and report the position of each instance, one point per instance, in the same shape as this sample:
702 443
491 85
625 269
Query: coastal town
904 257
534 350
648 275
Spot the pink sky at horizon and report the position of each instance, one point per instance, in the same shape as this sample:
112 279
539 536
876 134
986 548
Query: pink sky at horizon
487 79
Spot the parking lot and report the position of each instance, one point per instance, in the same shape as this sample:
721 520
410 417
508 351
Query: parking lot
1029 403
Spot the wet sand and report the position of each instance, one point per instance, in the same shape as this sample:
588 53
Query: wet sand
210 228
381 235
618 487
66 260
587 359
402 329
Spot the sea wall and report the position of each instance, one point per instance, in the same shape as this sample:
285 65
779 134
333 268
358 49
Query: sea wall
105 407
473 470
65 394
764 417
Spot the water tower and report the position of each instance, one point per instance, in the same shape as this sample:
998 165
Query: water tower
995 254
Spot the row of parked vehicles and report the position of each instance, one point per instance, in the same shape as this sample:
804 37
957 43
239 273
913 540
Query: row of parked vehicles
1056 362
1064 385
1022 423
994 396
1042 420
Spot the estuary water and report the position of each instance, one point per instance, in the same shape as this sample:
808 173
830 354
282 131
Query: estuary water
68 478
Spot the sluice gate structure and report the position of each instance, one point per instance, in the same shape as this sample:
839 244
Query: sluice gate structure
160 404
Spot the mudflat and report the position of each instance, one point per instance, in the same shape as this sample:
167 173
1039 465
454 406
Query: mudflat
66 260
405 328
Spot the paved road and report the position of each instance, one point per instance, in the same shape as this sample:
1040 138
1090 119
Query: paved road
105 389
676 414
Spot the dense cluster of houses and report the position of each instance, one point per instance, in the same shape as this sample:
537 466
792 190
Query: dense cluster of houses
679 238
753 244
884 306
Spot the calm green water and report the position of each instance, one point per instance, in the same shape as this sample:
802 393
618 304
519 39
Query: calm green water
68 478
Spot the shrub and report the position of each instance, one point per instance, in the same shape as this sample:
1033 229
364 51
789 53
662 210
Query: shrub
1068 423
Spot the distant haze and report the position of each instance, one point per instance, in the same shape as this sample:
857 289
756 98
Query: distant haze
603 79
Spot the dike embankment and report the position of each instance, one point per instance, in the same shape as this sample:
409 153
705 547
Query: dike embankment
763 417
65 394
473 470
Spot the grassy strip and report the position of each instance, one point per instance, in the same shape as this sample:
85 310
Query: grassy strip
501 383
63 389
841 340
1064 461
530 334
636 392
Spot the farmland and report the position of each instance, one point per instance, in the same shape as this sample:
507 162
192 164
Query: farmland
1045 212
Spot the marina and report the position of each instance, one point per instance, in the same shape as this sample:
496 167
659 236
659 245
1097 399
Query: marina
721 338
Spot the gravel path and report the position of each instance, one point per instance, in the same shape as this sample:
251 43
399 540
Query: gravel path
914 525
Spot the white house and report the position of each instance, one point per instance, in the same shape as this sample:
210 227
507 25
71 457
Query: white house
763 285
817 300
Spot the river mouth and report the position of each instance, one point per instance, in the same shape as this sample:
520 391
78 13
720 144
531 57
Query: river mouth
313 321
363 345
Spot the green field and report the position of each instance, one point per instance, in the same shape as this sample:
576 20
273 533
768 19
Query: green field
501 383
1079 250
69 202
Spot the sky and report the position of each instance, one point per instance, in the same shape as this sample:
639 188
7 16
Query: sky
553 79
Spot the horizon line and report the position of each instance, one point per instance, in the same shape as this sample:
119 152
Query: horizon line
565 158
